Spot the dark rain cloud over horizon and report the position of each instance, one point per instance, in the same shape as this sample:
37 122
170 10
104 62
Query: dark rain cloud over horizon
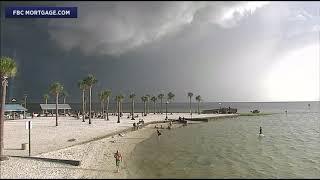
223 51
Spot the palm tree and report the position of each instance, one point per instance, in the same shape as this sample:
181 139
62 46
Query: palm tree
56 88
8 68
154 99
121 98
132 96
102 98
198 98
116 105
160 96
46 97
170 97
148 103
118 99
64 95
190 94
90 81
107 94
144 100
82 85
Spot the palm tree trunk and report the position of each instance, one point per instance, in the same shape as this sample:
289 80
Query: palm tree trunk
101 106
85 103
46 103
145 108
83 108
90 105
132 112
3 102
161 105
190 106
154 108
118 112
103 115
64 110
198 107
108 108
121 109
57 99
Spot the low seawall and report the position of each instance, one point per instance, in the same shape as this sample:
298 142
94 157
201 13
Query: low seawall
207 119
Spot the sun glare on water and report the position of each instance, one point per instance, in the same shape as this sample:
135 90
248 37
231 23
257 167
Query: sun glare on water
295 77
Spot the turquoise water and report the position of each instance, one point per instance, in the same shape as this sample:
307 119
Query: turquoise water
231 148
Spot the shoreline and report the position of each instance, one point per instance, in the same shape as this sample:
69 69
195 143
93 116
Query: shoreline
96 158
95 155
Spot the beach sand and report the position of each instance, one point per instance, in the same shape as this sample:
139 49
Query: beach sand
96 156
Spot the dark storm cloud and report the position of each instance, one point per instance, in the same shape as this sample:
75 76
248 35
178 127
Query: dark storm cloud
221 50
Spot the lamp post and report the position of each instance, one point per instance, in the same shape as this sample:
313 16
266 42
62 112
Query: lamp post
25 106
13 100
220 107
167 110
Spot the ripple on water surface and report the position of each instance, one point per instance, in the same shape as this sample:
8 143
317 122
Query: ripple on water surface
231 148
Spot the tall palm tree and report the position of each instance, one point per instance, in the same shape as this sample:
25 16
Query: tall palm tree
154 99
64 94
82 85
160 96
170 97
56 88
132 96
46 97
198 98
116 105
102 99
107 94
121 98
90 80
148 103
144 100
118 99
190 94
8 68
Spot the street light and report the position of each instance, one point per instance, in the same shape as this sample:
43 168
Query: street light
25 106
220 107
167 110
13 100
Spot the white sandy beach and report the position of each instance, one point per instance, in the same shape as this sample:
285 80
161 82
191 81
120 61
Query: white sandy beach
96 157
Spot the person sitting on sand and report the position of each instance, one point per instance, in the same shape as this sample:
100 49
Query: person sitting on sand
118 157
158 132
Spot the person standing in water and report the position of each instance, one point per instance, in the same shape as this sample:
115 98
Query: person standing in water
260 130
118 157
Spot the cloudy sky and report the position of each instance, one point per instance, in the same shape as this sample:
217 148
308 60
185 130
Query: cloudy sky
224 51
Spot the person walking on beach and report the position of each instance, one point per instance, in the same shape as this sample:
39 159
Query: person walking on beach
118 157
260 130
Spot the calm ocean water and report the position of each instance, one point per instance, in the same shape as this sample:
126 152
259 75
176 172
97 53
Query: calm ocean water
231 148
184 107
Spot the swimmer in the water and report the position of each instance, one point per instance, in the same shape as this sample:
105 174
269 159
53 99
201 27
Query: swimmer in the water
260 130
